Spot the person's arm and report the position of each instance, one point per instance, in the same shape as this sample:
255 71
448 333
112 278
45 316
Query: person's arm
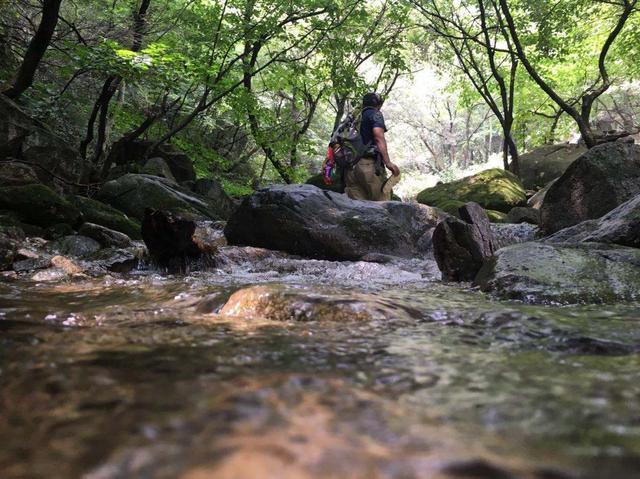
381 142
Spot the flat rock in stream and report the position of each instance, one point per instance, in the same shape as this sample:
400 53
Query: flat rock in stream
563 273
308 221
283 303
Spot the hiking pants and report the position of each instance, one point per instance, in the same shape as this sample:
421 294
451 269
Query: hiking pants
362 183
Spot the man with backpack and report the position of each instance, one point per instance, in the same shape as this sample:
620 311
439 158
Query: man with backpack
367 179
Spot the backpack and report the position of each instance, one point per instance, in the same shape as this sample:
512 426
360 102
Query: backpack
346 142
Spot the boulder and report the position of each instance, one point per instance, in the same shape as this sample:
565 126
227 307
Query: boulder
133 194
174 241
539 166
563 273
134 153
218 198
116 260
10 239
493 189
538 198
75 245
17 174
23 138
522 214
318 180
105 236
104 215
38 205
452 207
620 226
305 220
597 182
460 246
158 167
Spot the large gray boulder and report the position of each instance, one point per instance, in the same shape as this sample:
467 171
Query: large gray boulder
308 221
597 182
133 194
460 246
212 190
23 138
543 164
620 226
563 273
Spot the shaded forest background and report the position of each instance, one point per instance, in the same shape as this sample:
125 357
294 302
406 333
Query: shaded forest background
251 90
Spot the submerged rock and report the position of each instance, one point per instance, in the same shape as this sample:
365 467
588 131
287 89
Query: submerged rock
104 215
133 194
562 273
597 182
38 205
620 226
117 260
493 189
461 246
282 303
304 220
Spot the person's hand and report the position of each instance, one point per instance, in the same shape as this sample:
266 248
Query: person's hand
394 169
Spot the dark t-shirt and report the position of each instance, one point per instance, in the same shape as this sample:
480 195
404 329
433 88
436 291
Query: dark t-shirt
371 118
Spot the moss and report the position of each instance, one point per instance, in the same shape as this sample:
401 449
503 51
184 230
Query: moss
493 189
38 205
104 215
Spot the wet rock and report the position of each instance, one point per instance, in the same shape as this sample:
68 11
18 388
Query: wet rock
597 182
133 194
282 303
24 138
173 240
38 205
50 274
461 246
117 260
304 220
620 226
563 273
493 189
104 215
17 174
32 264
547 162
75 245
213 190
158 167
9 246
537 199
67 265
105 236
521 214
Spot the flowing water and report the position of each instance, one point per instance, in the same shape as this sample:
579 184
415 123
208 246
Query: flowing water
375 371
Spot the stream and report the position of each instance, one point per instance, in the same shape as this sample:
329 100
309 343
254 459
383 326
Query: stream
147 374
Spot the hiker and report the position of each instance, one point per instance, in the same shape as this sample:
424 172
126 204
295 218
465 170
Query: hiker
367 179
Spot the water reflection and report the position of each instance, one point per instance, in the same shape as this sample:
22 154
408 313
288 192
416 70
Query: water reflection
146 376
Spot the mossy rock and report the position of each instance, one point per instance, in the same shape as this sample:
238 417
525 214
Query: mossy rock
493 189
104 215
39 205
318 180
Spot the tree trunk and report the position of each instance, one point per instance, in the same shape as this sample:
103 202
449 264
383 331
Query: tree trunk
36 50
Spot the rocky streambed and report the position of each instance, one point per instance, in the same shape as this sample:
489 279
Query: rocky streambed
275 366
